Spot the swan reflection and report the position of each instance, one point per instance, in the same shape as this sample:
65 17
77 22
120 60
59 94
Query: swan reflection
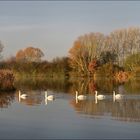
126 110
29 97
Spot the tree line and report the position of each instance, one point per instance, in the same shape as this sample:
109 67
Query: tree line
91 54
94 50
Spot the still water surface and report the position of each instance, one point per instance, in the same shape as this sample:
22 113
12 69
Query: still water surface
63 118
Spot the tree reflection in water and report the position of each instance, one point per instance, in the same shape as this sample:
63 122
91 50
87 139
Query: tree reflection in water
125 110
83 85
35 97
6 99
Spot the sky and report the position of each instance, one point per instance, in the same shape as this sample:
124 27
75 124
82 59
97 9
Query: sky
53 26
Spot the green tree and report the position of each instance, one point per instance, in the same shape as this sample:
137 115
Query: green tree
107 56
132 62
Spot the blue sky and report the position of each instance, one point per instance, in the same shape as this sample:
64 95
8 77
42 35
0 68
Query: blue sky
53 26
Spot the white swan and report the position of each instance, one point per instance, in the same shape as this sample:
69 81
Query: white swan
80 97
23 96
99 97
49 97
117 96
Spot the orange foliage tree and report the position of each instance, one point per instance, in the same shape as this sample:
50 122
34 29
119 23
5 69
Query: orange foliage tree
29 54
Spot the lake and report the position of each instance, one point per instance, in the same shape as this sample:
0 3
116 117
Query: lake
66 118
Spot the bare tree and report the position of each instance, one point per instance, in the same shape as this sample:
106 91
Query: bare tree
86 49
1 49
125 42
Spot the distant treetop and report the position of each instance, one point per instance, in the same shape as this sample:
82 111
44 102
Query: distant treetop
29 54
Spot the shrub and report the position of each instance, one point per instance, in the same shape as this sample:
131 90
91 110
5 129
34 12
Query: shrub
122 76
6 80
108 70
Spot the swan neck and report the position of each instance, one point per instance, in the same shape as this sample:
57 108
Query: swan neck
76 94
46 94
114 93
